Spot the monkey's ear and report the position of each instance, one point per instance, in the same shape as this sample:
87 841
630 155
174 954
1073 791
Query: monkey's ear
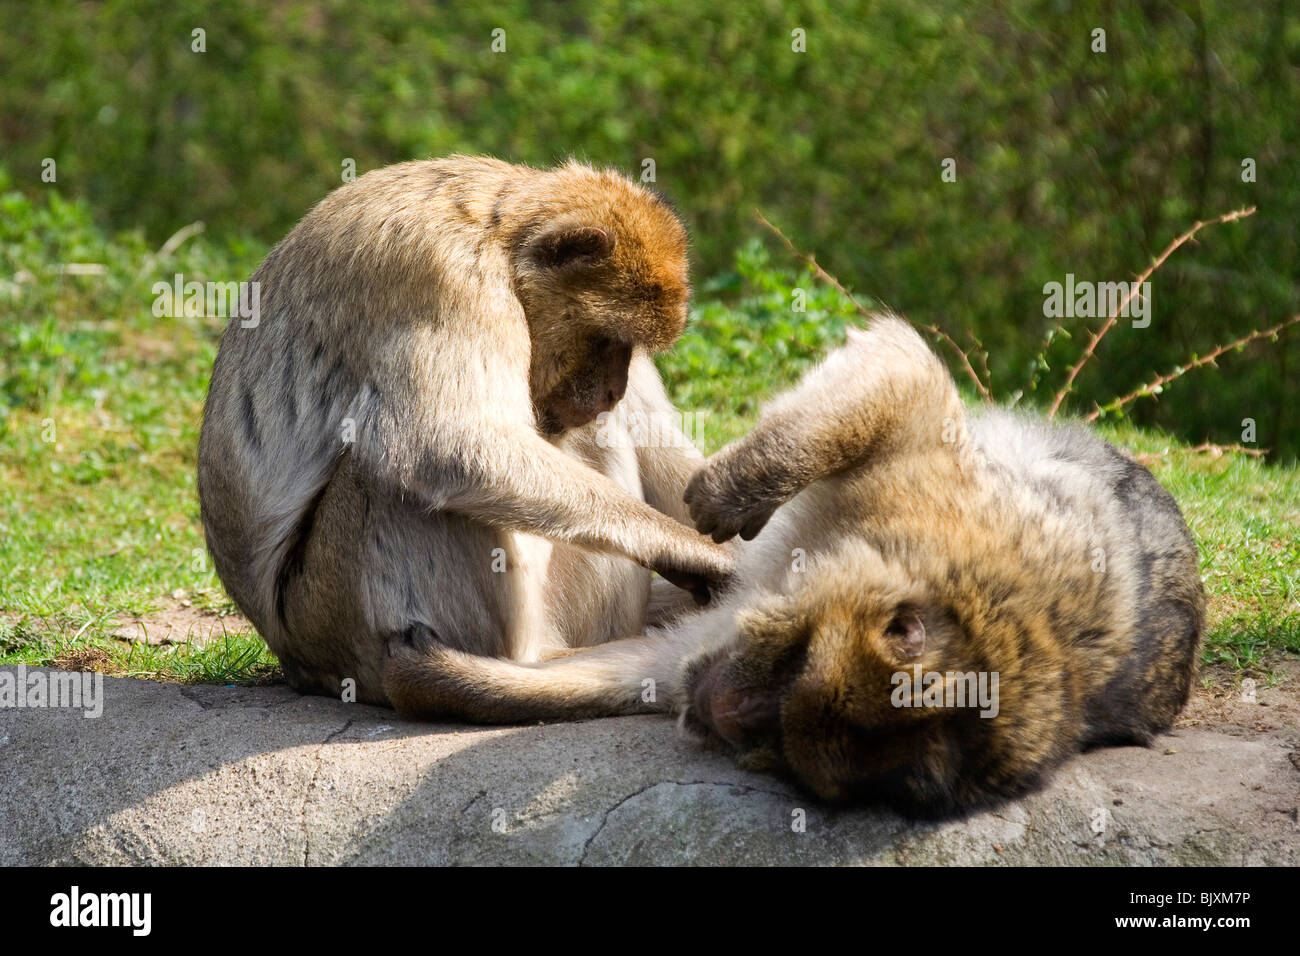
906 631
569 245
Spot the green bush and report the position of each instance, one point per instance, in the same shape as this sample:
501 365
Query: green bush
100 403
1067 160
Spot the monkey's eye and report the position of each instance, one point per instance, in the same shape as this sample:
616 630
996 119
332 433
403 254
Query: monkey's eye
790 663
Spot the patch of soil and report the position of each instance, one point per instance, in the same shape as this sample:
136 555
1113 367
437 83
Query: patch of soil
1227 702
178 622
87 659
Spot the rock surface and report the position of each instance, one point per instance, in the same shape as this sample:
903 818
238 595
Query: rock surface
176 774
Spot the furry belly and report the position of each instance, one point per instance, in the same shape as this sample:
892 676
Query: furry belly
598 597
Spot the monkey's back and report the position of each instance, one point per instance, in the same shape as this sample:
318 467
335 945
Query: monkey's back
374 268
1136 658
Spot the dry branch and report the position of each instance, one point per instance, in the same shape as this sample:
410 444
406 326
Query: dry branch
835 283
1215 451
1133 288
1154 386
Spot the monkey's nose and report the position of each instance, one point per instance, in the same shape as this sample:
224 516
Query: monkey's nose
741 718
739 715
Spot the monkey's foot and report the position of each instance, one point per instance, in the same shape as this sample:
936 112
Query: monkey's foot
417 639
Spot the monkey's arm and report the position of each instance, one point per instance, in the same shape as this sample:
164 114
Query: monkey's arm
666 458
462 438
515 479
883 393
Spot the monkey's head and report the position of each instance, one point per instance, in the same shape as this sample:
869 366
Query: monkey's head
600 270
815 685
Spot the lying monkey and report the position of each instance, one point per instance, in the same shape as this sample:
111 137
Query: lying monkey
912 565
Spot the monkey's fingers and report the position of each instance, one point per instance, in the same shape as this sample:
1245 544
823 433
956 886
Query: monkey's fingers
710 523
697 584
722 523
756 524
720 508
703 512
695 495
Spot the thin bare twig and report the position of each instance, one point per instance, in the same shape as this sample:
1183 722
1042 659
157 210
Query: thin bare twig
1215 451
835 283
1133 289
978 348
171 245
983 389
1156 384
811 260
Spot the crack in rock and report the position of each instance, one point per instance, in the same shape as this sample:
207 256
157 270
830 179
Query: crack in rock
311 785
745 788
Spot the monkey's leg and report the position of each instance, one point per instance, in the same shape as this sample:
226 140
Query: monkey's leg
666 458
424 678
371 566
884 393
593 598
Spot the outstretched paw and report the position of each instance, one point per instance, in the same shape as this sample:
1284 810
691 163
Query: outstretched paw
722 506
700 587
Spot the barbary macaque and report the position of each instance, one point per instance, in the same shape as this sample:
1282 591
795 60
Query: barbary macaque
934 611
407 440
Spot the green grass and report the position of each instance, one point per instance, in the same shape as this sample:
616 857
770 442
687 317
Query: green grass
100 406
1245 516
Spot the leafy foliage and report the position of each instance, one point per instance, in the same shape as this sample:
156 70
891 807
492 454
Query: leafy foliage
100 402
1067 159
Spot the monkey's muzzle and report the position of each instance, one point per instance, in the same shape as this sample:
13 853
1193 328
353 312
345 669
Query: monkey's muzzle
745 717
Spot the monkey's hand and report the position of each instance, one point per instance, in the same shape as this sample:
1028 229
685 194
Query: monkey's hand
697 584
717 565
736 492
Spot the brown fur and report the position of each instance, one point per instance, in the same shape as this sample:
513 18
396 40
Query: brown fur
410 438
895 533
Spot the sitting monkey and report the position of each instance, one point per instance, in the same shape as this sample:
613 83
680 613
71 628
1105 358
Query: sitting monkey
910 562
406 439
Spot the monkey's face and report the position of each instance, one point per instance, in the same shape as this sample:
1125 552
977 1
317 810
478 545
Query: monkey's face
592 294
583 392
812 686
